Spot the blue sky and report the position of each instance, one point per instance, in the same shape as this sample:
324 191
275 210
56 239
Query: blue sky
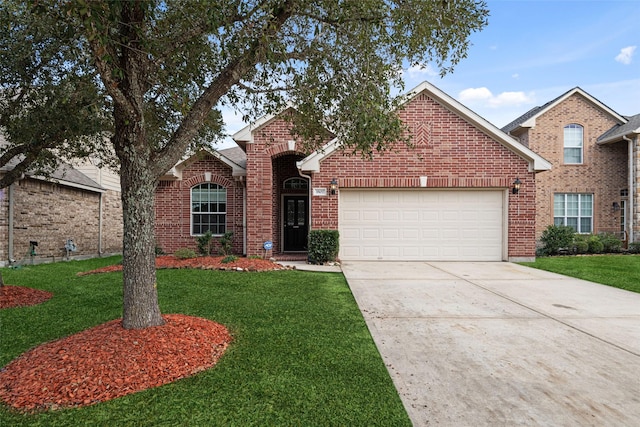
535 50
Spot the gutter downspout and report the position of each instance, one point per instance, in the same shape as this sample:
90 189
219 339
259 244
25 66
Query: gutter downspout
10 233
100 224
632 189
308 177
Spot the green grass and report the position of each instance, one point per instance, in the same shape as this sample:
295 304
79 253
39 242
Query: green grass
620 271
302 354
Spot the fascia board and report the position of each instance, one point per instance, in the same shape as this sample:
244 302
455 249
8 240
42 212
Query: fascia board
68 183
618 137
311 163
531 121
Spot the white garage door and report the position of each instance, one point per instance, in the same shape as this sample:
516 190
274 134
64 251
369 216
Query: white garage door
429 225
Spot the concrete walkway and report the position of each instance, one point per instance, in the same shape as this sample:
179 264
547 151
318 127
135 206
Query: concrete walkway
498 344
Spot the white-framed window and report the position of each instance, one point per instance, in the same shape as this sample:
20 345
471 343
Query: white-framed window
208 209
573 144
574 210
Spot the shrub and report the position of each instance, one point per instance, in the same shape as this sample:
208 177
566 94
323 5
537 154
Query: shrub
611 243
185 253
595 245
159 251
323 246
229 258
634 248
204 243
580 244
226 243
556 237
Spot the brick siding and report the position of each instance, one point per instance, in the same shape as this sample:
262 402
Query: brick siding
50 214
604 172
449 151
173 205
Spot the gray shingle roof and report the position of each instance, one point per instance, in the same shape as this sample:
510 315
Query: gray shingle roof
618 131
236 155
64 173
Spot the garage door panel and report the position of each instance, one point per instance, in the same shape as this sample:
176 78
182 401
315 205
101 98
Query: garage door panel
421 225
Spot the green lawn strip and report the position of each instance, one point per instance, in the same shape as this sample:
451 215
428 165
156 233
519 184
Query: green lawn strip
620 271
302 354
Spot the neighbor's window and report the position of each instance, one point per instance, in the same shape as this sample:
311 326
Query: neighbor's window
574 210
208 209
573 144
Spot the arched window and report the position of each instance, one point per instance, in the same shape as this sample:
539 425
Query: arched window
208 209
573 144
295 184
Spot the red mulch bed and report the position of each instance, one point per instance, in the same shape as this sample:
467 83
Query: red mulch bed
108 361
20 296
203 262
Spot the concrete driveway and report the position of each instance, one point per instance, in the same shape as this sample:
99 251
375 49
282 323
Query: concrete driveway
499 344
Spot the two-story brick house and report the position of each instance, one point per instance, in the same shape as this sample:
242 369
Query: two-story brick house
593 185
449 197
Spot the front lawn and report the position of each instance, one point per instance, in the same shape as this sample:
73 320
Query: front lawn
301 355
620 271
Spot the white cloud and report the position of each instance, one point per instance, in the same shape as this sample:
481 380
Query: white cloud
421 72
626 55
515 76
483 96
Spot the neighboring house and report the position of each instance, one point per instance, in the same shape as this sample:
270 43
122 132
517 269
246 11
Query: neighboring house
450 197
593 186
67 206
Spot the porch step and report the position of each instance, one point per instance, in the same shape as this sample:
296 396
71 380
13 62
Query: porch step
299 256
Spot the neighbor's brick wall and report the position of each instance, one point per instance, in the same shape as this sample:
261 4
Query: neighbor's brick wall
50 214
452 154
4 225
603 173
173 205
636 190
112 231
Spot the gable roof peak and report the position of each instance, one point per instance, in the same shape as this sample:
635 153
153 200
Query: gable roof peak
528 119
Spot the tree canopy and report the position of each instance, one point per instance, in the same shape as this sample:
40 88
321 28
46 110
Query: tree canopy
153 76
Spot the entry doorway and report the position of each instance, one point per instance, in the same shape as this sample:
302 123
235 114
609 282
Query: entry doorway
295 223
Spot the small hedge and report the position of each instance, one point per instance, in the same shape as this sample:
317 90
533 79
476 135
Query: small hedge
561 239
323 246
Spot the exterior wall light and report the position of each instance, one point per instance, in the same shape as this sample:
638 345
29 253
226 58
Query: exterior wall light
616 206
516 186
334 186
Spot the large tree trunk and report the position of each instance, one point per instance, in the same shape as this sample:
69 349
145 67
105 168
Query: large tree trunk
140 305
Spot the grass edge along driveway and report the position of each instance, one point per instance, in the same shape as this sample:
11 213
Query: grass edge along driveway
302 353
620 271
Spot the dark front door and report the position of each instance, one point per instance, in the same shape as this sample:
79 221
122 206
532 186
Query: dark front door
295 223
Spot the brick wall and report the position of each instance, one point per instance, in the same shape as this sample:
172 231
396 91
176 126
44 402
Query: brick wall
635 191
173 205
452 154
449 151
603 173
50 214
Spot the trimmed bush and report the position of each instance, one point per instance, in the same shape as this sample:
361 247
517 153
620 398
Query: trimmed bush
185 253
611 243
595 245
323 246
556 237
580 243
634 248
